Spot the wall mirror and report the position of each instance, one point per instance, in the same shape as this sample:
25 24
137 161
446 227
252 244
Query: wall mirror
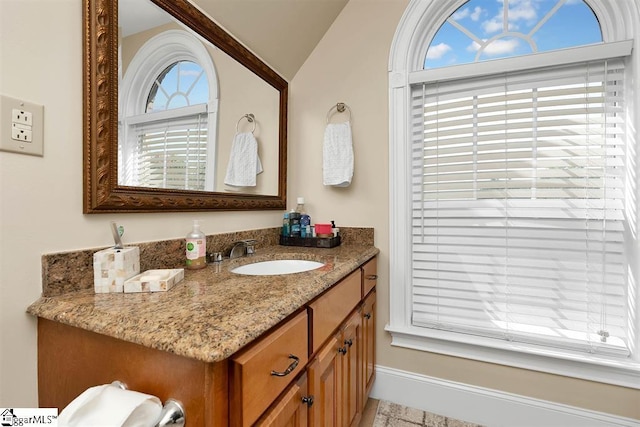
165 99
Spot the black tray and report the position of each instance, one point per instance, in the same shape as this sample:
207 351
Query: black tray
311 242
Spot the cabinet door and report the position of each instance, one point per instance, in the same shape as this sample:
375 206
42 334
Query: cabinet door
368 345
325 385
351 370
291 410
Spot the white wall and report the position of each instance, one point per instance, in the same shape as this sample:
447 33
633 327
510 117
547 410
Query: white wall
41 197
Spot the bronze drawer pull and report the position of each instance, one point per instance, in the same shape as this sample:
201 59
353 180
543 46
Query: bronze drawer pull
308 400
372 277
290 369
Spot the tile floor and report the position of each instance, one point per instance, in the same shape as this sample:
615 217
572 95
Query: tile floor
386 414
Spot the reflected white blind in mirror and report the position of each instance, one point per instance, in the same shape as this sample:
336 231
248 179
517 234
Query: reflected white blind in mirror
171 153
519 207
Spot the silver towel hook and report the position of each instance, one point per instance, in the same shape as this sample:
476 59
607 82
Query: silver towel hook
340 107
250 118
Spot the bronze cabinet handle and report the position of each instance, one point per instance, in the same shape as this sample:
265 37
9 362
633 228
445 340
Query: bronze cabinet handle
348 342
342 350
308 400
290 369
367 316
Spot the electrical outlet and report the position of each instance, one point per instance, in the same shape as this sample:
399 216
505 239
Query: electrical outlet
20 133
22 117
21 126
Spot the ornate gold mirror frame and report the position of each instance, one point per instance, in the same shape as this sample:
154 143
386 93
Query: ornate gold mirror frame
102 194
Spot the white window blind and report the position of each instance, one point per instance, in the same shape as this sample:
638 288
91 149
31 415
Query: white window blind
171 153
518 207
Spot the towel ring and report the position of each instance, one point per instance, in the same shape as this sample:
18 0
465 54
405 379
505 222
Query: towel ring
340 107
250 118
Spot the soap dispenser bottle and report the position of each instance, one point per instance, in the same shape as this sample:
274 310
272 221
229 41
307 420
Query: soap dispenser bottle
196 248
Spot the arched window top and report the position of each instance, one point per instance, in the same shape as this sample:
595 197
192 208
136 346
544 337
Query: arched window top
162 73
481 30
181 84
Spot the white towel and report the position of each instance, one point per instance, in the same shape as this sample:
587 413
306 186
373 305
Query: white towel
244 163
110 406
337 155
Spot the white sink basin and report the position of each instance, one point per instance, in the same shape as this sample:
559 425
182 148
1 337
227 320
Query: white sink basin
280 266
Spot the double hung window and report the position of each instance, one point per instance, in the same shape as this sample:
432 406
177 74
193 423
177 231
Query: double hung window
518 206
519 196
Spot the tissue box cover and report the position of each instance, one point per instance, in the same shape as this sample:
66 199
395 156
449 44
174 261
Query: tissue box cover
154 280
111 267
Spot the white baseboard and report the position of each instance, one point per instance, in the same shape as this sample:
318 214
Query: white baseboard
483 406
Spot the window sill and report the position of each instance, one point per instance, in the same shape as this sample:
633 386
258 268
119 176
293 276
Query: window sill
621 372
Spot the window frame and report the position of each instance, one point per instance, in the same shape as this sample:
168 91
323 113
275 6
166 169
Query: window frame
418 26
158 53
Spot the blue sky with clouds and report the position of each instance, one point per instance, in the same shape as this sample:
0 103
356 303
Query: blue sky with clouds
533 25
183 84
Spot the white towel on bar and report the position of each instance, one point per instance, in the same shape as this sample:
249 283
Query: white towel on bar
108 405
337 155
244 162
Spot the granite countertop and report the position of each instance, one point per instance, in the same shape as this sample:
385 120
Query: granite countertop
212 313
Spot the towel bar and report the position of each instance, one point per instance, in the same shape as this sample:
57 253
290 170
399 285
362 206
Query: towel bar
250 118
172 412
340 107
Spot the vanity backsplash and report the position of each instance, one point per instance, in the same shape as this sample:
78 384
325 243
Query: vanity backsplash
72 271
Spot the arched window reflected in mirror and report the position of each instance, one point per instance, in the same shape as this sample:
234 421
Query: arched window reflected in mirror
168 115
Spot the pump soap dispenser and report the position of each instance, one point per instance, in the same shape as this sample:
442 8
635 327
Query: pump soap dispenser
196 248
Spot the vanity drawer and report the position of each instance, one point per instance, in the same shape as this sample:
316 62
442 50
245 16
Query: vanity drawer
330 309
369 276
260 373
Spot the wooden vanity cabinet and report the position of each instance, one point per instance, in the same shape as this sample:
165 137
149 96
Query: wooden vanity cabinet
369 276
341 370
331 309
351 354
291 410
326 349
261 372
325 384
369 282
334 373
334 376
368 313
70 360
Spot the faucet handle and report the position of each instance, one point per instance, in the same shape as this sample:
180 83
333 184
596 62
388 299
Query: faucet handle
246 246
251 246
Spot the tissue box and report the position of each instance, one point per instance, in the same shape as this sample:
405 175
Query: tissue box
111 267
154 280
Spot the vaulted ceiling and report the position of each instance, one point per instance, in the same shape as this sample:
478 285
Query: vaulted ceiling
283 33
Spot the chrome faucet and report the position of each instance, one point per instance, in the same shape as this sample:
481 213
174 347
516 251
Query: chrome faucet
243 248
